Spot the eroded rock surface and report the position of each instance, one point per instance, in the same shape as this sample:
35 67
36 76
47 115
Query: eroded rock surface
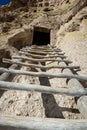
67 20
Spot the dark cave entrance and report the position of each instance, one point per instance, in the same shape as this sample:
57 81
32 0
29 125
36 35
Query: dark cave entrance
41 36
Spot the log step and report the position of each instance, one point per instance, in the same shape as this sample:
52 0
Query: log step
42 89
39 60
26 123
43 74
38 66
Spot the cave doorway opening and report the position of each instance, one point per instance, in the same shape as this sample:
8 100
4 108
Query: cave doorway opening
41 36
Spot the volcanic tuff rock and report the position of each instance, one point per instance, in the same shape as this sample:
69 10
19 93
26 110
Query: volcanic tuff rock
67 20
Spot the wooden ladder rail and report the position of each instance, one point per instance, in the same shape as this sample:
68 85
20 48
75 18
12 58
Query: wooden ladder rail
82 101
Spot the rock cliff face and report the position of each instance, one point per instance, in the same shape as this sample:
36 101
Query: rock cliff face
39 3
65 17
67 20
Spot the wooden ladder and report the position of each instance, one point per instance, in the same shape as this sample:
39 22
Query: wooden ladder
37 56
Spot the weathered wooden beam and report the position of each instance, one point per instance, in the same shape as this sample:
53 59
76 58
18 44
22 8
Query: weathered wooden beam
5 75
42 46
38 66
75 84
36 49
23 50
38 60
38 52
35 52
43 74
48 48
42 89
26 123
82 106
39 47
41 56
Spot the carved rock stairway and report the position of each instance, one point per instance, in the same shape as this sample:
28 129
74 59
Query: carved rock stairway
39 55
